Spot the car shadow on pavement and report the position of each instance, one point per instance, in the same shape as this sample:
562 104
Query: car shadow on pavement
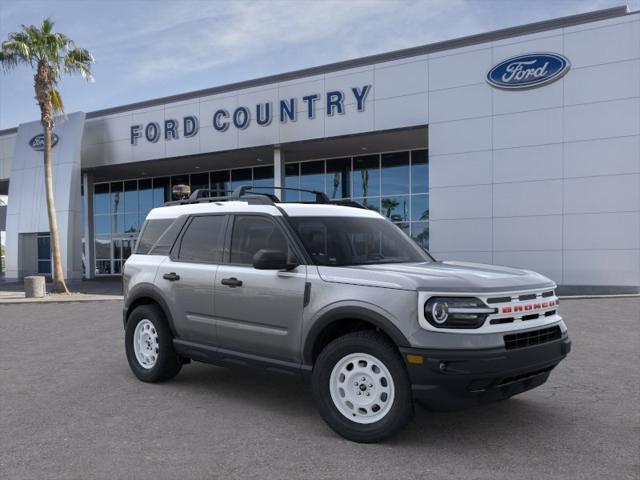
500 423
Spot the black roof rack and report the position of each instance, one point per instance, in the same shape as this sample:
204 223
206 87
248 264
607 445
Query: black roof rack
321 197
247 193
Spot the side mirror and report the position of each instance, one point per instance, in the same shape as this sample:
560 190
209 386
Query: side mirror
272 260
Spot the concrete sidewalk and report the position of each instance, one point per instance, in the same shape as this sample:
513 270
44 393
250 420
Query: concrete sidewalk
81 291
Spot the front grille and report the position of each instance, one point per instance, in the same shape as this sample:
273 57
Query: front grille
534 337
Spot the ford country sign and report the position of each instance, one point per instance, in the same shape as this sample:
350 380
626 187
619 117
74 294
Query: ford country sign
37 142
528 71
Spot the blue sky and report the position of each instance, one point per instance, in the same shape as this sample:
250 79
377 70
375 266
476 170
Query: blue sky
148 49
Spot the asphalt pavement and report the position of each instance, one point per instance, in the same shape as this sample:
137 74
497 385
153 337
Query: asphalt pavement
71 409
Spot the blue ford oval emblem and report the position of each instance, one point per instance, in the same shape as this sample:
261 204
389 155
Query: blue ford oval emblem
37 142
528 71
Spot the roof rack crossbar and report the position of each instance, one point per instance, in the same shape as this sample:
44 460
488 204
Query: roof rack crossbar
321 197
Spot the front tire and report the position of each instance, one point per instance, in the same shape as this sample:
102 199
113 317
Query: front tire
361 387
149 345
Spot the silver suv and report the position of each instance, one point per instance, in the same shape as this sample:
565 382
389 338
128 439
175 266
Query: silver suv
337 294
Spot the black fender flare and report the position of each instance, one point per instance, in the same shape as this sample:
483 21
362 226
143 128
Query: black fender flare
351 312
147 290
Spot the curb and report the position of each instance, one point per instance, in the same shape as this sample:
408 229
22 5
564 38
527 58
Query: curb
101 298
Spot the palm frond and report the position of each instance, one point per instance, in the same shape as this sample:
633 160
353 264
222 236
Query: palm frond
79 60
56 101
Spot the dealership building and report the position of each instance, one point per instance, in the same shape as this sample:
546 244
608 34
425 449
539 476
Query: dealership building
516 147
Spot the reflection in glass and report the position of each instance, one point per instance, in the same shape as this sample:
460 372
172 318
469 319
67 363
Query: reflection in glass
311 178
117 197
263 177
420 233
131 203
117 223
338 182
102 224
160 191
220 182
103 267
103 247
145 196
419 171
199 181
44 267
291 180
239 177
419 207
101 198
396 208
395 173
131 223
44 247
366 176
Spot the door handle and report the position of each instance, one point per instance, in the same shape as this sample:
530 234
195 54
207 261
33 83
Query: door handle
172 277
231 282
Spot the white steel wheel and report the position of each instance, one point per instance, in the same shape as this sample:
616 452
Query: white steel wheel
362 388
145 344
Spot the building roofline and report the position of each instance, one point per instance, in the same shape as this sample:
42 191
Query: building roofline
459 42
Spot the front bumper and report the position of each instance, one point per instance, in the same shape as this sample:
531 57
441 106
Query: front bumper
453 379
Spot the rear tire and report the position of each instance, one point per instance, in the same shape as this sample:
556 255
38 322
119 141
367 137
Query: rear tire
149 345
361 387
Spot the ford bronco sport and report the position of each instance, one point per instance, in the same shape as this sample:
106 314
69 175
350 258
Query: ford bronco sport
337 294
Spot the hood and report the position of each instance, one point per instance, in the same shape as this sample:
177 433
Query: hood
438 276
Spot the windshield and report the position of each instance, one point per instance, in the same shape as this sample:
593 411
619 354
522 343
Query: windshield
343 241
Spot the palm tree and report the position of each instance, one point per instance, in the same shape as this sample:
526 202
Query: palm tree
50 55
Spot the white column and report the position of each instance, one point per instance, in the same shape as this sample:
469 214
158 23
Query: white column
278 171
87 204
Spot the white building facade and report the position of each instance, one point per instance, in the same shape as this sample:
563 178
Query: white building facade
518 147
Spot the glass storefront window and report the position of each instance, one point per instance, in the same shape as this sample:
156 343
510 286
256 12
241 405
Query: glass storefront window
220 182
311 178
101 198
394 184
419 171
161 191
102 224
395 173
420 233
239 177
338 181
395 208
419 207
263 177
131 203
291 180
145 196
199 181
103 247
366 176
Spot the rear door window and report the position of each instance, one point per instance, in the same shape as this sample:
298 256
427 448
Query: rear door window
203 239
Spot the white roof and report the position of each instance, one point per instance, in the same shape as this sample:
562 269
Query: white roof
292 209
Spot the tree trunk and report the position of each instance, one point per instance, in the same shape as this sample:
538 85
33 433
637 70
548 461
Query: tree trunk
59 284
43 95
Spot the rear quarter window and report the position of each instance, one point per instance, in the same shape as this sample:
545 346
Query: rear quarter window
154 235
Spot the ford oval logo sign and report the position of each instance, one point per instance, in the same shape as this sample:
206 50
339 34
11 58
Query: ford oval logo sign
528 71
37 142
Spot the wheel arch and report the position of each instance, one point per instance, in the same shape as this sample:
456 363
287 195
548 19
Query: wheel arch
146 294
346 319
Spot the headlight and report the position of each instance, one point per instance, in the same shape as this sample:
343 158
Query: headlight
456 312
